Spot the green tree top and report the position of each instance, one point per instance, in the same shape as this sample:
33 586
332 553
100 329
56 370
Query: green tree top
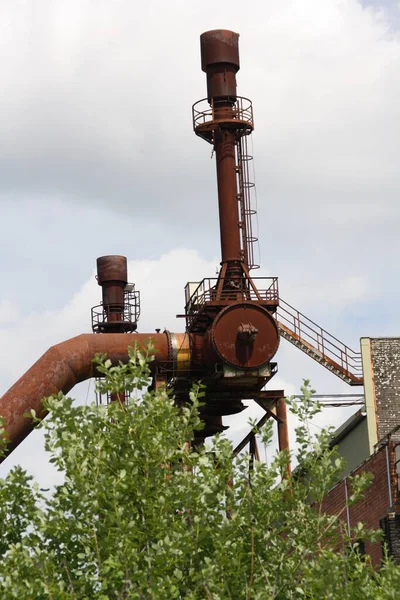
142 514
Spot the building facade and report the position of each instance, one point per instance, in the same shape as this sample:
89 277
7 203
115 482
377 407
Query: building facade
370 442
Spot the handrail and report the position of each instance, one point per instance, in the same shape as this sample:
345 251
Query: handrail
206 291
203 113
317 339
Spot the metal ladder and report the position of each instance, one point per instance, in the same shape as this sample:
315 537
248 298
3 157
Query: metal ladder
315 341
245 189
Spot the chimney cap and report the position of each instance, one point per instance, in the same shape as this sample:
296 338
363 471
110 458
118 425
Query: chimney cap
112 268
219 46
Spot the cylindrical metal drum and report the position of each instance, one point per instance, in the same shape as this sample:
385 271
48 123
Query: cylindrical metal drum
112 275
220 60
244 335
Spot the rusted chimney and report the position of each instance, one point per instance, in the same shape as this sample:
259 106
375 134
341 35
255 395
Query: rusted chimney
120 307
220 60
112 276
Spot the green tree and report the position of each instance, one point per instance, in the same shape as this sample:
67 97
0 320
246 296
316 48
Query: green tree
142 514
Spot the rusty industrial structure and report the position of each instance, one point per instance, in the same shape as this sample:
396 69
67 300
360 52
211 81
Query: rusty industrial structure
231 334
233 324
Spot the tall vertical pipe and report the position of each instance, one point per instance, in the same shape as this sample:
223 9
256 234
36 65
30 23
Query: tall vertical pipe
220 61
227 196
283 430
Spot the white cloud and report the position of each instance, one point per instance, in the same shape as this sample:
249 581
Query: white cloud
8 312
96 111
96 103
332 295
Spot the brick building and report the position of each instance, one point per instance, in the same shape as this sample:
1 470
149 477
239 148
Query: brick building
370 442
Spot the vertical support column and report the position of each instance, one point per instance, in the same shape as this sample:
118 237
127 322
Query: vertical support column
253 451
369 393
283 430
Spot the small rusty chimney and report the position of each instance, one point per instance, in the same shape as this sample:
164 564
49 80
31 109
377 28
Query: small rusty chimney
120 306
112 276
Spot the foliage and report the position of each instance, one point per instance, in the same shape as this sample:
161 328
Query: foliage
143 514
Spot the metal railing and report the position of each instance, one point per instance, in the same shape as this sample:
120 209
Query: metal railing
318 340
205 116
198 293
129 314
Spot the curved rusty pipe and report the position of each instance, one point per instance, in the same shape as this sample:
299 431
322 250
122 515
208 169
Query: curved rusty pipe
70 362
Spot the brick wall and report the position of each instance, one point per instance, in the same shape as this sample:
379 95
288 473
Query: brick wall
385 355
375 505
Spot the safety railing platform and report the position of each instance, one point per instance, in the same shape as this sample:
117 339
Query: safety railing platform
128 314
208 117
218 292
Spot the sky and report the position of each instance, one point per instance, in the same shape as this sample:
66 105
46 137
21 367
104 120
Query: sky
98 156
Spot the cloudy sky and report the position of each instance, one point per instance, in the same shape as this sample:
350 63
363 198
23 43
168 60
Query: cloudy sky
98 156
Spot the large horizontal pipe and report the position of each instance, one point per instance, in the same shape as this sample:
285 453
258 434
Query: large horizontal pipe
69 363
